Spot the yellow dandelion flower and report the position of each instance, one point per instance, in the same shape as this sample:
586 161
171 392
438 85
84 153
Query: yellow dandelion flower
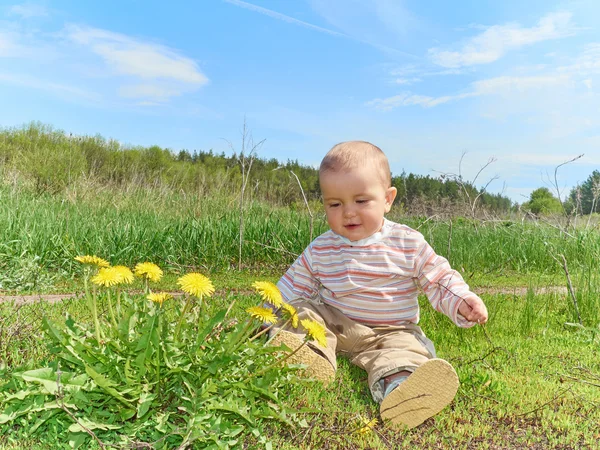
269 292
159 297
290 311
368 426
315 331
266 315
106 276
125 274
196 284
92 260
148 270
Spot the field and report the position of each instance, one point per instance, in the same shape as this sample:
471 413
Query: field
529 379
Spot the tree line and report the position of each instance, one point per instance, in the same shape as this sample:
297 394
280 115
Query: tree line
582 200
50 161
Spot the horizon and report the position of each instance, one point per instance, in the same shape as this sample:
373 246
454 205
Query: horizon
517 82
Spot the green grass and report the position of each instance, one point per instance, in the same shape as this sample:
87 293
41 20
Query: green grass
41 234
527 379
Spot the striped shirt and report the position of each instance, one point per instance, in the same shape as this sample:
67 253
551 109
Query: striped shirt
376 281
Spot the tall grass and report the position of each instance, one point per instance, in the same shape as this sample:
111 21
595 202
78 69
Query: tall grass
195 231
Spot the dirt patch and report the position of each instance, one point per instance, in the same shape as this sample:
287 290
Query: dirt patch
50 298
518 291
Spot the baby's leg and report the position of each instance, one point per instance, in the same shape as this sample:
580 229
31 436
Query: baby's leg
404 375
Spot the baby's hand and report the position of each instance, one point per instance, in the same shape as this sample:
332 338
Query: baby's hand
473 309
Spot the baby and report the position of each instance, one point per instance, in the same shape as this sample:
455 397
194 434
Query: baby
361 280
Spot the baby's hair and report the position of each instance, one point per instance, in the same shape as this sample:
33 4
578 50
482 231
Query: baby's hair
353 154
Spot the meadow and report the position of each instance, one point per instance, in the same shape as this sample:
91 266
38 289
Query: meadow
529 379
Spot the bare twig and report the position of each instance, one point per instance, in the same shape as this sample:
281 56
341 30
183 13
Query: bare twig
425 221
307 206
579 380
595 194
61 404
556 397
570 285
464 185
245 159
273 248
449 240
547 222
558 191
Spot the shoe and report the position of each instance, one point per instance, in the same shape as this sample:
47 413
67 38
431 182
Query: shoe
318 367
425 392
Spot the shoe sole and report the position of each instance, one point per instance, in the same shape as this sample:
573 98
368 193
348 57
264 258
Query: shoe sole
425 392
317 366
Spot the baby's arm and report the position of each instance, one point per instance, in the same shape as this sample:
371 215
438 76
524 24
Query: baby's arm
299 282
447 291
473 309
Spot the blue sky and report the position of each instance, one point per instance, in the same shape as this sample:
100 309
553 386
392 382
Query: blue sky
513 81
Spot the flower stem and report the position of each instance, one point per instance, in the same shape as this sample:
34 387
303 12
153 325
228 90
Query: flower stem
158 362
118 302
240 337
269 328
95 315
276 363
182 316
113 319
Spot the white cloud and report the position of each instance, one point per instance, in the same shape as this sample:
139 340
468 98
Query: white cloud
129 56
497 40
588 63
144 91
333 9
6 45
506 84
407 80
63 90
28 10
165 72
492 86
282 17
542 159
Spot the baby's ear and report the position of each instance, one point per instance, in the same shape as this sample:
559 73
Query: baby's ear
390 195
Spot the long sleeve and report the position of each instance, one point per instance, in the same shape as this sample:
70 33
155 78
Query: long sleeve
444 286
299 282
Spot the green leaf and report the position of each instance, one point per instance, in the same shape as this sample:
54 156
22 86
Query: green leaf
45 416
127 325
217 318
83 423
76 440
53 332
107 385
46 377
144 403
148 343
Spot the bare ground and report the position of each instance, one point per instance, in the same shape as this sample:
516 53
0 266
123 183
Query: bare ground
517 291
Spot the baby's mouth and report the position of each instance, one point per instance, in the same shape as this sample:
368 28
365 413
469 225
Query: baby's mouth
352 225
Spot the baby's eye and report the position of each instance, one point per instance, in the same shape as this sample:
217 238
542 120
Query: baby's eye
362 201
334 205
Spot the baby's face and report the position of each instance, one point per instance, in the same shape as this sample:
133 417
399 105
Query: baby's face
355 201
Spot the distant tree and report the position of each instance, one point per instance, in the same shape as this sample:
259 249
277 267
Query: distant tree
184 155
587 195
542 201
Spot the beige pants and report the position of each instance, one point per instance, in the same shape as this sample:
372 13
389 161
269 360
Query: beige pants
381 350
